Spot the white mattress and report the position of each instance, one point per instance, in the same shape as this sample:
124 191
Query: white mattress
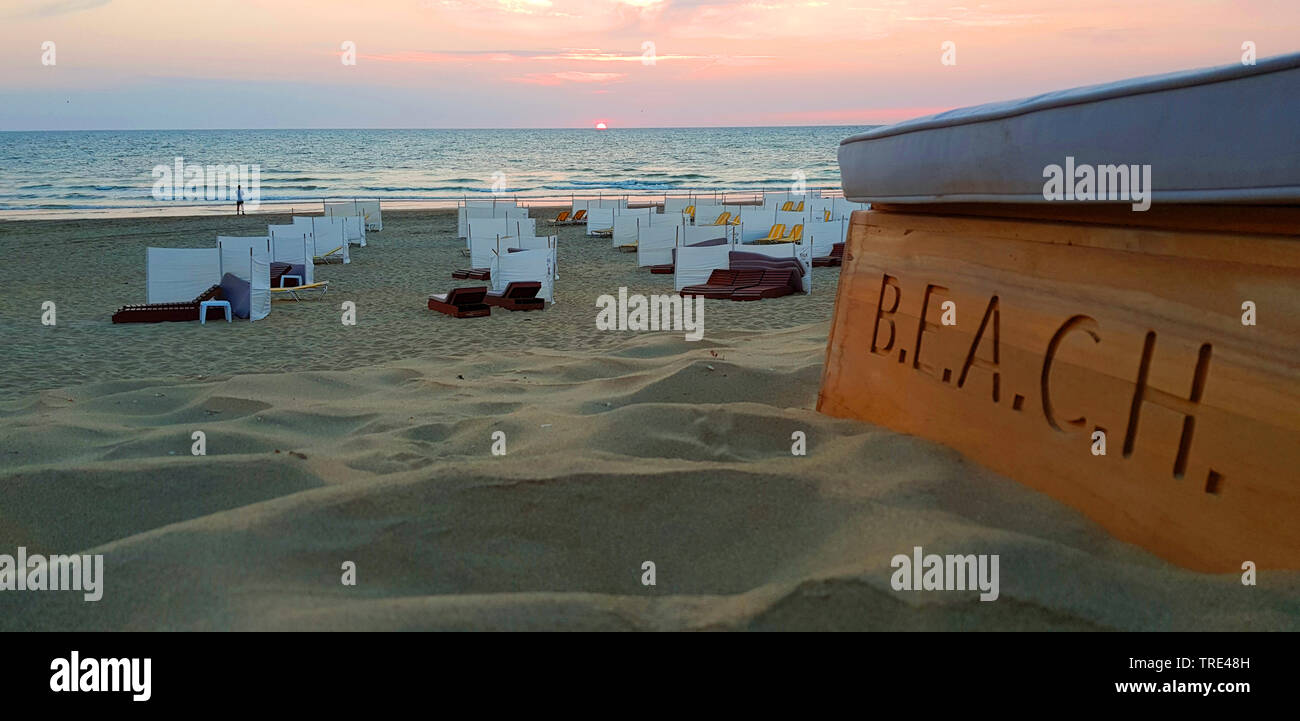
1218 135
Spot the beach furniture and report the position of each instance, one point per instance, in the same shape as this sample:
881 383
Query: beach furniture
774 284
331 256
368 210
473 273
204 306
1121 263
461 302
173 312
722 283
561 219
519 295
774 235
580 216
294 291
834 259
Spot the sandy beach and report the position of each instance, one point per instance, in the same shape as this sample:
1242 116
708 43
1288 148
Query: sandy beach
371 444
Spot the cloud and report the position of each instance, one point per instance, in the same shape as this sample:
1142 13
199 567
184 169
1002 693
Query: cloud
50 8
570 76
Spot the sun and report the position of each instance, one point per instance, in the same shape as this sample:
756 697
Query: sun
602 126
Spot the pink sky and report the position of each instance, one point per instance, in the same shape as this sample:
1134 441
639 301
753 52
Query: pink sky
569 63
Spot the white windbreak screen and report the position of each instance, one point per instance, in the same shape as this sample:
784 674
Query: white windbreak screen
824 235
463 215
484 249
655 244
355 230
626 228
294 245
676 205
705 214
177 275
697 233
527 265
694 265
791 219
599 219
328 236
254 267
548 243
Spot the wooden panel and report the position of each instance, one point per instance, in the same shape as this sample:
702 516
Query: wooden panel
1063 329
1237 219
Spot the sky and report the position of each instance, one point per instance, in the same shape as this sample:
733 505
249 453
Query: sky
162 64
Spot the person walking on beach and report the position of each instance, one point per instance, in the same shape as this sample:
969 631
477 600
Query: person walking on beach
239 200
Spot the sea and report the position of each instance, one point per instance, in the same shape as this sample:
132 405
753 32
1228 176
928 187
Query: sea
74 170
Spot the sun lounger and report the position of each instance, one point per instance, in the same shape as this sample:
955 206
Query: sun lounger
333 256
462 302
796 234
561 219
292 291
829 261
472 273
170 312
278 271
773 235
662 269
775 283
518 295
579 217
722 283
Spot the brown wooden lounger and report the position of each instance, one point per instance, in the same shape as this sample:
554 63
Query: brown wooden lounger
462 302
662 269
775 284
722 283
834 259
171 312
518 295
472 273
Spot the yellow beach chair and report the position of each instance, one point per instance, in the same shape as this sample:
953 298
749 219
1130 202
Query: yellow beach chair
773 236
293 290
333 256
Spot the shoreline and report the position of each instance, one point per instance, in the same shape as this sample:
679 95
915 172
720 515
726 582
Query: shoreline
315 207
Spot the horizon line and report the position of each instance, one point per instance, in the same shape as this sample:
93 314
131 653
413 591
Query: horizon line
575 127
